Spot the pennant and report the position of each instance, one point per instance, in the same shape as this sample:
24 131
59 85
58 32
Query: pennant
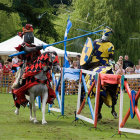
66 62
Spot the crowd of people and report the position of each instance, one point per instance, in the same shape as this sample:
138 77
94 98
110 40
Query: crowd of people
6 71
125 66
122 66
6 66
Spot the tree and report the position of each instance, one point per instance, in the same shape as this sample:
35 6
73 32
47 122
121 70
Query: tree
121 15
30 11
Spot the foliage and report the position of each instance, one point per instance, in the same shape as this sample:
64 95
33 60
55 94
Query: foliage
123 16
57 2
34 12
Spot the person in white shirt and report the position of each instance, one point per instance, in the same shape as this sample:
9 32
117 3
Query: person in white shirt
137 69
15 60
120 70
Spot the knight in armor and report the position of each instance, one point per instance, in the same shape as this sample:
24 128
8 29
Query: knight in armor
101 51
32 52
95 54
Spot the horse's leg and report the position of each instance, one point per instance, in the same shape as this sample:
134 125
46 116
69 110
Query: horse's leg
32 101
114 100
113 112
17 111
44 100
31 118
100 107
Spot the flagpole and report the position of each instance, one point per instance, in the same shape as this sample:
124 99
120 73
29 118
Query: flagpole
45 46
65 64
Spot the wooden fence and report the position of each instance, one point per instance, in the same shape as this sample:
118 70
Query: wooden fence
6 80
134 84
71 86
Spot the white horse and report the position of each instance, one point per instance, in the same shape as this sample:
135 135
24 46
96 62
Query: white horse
40 90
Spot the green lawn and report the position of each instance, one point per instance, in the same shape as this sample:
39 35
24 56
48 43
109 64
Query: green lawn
19 127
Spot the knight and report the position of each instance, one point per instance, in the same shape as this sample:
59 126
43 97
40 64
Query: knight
32 52
98 52
33 69
95 56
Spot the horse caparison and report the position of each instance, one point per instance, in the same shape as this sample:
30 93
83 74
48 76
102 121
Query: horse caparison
49 61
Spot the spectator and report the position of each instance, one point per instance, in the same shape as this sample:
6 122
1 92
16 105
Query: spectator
0 66
75 65
15 60
121 57
10 63
127 63
6 68
1 61
0 71
137 69
6 72
119 62
70 62
129 70
120 70
78 61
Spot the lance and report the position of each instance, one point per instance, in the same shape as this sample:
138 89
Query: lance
93 29
87 31
45 46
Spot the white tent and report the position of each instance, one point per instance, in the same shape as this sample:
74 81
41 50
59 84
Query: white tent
8 47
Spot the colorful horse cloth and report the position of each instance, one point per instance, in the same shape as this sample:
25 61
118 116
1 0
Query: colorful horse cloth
29 80
104 92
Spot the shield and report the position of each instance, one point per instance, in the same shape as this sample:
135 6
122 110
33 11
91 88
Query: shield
87 52
132 104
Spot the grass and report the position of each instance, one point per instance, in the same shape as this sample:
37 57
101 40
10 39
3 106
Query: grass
19 127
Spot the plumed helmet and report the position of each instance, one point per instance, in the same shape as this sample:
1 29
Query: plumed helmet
106 33
28 26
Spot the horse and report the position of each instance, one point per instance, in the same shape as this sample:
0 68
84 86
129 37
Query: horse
108 93
95 57
45 62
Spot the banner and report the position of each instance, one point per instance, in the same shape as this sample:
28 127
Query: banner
66 62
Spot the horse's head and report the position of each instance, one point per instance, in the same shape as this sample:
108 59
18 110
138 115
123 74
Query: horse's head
49 61
55 62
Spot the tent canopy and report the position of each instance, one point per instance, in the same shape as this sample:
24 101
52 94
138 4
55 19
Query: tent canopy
8 47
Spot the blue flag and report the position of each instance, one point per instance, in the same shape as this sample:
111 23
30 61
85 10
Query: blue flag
66 62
